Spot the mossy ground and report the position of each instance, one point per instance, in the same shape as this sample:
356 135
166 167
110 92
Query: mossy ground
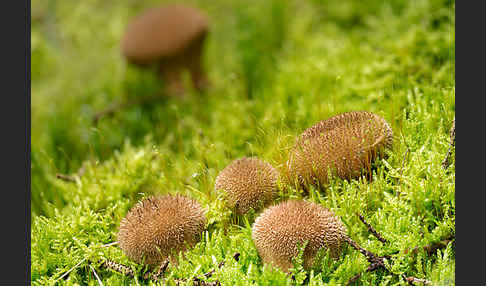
276 68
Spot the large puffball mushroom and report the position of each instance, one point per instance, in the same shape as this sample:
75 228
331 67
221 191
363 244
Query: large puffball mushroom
281 229
160 226
344 145
170 37
248 183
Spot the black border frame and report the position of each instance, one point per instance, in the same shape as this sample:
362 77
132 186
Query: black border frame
15 48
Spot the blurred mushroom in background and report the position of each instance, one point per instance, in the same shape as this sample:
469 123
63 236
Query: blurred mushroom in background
171 37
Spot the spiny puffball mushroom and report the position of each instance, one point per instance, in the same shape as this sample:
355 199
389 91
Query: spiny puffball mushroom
281 229
171 37
248 183
345 144
160 226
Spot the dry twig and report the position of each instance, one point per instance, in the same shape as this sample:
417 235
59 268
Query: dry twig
158 273
72 178
372 230
67 178
377 262
198 281
431 248
118 267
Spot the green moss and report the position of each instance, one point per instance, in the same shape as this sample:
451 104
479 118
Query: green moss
276 68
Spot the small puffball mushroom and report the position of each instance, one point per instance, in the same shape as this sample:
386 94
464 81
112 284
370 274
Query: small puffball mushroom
249 183
279 231
345 144
171 37
158 227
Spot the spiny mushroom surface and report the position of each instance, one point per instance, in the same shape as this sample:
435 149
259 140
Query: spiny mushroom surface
171 37
279 231
248 183
160 226
345 144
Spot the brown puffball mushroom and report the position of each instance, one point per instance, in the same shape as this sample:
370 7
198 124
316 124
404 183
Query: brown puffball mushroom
280 229
249 183
158 227
170 37
345 144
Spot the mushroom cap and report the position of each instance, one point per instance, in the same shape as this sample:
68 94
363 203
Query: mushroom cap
281 229
345 144
248 183
159 226
162 32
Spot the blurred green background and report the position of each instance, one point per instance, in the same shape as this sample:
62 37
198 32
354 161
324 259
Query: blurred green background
275 67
